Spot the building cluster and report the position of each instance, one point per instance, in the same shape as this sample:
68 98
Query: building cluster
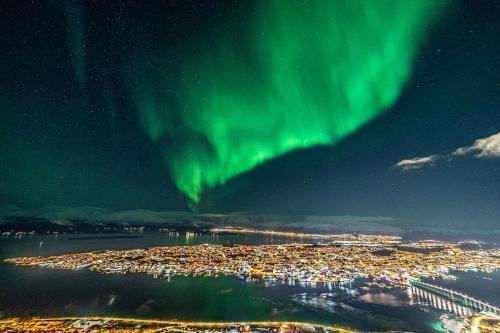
110 325
476 323
15 234
388 265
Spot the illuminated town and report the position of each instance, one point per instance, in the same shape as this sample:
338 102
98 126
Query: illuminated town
101 325
477 323
386 264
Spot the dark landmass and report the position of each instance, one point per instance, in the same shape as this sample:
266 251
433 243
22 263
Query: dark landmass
89 220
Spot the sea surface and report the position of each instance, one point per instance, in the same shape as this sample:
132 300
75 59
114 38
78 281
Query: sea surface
28 291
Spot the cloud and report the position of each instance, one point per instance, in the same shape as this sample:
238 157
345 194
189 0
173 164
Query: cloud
488 147
417 162
64 215
482 148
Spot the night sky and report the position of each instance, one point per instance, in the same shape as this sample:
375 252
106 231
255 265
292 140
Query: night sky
366 108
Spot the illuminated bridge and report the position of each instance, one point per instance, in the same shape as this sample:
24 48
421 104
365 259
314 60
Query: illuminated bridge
457 297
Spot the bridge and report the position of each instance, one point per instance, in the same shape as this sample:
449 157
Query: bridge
456 296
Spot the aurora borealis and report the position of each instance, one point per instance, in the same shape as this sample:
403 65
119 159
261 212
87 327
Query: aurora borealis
298 75
281 107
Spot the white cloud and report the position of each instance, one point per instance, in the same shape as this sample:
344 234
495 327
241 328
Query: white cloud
488 147
417 162
482 148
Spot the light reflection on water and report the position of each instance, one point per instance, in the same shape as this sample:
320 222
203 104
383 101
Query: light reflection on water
421 297
44 245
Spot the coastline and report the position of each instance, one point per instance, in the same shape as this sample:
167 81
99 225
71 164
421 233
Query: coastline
114 324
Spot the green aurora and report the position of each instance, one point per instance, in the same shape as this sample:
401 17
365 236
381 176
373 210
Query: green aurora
294 75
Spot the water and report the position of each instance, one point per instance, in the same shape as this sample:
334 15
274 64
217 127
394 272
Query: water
27 291
43 245
483 286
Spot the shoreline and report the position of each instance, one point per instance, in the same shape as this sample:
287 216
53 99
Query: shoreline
97 323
